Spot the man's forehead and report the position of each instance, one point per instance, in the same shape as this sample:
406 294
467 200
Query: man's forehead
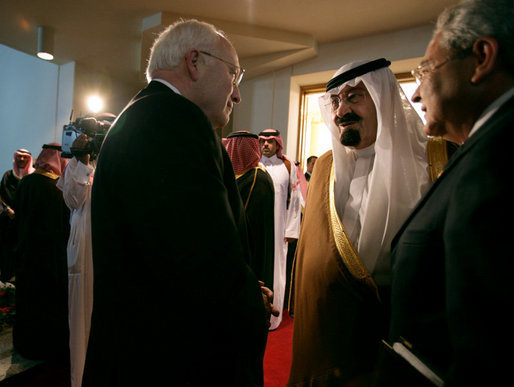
227 49
433 49
348 88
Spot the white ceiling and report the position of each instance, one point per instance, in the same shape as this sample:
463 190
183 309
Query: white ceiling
113 35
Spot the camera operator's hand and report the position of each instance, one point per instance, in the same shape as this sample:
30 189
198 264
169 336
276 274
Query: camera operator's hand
81 143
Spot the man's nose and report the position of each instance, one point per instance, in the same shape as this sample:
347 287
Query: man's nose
342 109
236 95
416 97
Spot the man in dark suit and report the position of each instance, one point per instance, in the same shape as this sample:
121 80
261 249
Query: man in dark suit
452 264
311 160
175 302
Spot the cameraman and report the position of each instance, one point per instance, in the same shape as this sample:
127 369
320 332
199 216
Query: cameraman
76 183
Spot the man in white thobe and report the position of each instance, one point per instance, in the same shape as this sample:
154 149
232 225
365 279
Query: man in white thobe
287 210
76 184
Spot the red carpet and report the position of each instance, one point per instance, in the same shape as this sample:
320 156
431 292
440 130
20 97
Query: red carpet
277 358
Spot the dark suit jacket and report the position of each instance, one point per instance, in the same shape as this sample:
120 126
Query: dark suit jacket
452 263
174 300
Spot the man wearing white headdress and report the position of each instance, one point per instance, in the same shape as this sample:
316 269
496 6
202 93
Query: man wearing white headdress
359 195
288 202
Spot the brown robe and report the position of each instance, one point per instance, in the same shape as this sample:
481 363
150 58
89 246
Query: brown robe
340 315
337 313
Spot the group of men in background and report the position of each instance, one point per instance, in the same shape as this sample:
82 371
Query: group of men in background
270 188
34 256
46 253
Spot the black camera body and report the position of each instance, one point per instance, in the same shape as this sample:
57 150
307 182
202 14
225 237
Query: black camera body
94 129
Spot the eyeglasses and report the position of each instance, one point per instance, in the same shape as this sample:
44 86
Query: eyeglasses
353 97
236 71
426 68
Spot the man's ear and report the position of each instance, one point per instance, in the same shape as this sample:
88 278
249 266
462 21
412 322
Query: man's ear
192 63
485 53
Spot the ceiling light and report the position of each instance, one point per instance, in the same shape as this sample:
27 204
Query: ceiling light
95 104
45 43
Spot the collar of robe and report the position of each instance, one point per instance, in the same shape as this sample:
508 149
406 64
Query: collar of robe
51 175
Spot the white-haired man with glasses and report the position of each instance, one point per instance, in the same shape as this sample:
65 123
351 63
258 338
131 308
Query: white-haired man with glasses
359 195
175 302
452 259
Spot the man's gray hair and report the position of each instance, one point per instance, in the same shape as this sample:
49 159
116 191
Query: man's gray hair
462 24
176 40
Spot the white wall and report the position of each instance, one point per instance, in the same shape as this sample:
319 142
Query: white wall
272 100
35 102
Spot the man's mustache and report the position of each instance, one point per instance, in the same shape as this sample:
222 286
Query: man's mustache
348 117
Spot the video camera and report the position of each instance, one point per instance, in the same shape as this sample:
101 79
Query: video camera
95 128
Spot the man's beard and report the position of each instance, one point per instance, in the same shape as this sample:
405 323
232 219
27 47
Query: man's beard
349 137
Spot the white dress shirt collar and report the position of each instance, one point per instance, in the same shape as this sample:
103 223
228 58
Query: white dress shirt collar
167 84
490 110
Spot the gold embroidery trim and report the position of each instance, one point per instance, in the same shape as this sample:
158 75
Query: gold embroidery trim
238 175
253 184
344 246
49 174
437 156
251 188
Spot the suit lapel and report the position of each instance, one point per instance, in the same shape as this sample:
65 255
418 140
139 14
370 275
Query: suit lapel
500 115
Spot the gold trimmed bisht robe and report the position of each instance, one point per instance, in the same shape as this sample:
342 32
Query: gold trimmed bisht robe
338 314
